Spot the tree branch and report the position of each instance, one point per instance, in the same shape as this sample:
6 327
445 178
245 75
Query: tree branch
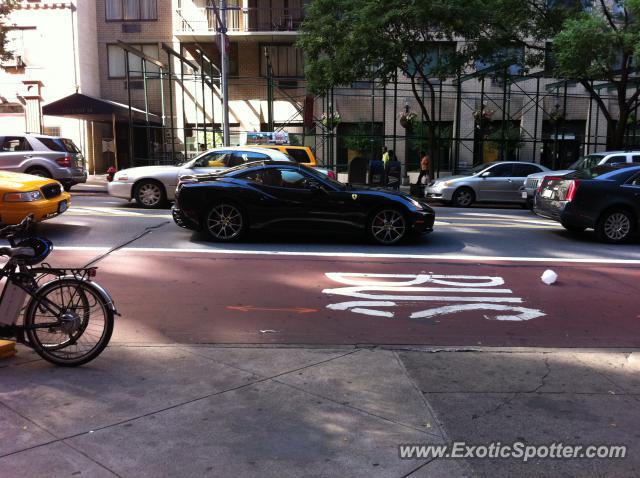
633 98
607 14
598 99
418 98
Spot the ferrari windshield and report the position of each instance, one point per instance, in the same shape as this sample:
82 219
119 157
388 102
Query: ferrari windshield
323 177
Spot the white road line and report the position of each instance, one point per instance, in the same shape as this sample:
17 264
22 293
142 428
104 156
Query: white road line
360 255
362 307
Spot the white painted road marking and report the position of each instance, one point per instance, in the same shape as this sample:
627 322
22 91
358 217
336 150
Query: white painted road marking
360 255
361 307
525 314
360 279
366 286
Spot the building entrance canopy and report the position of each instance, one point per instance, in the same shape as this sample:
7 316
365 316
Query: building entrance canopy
89 108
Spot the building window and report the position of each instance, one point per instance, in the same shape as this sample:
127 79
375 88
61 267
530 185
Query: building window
287 61
131 10
11 109
118 65
510 59
435 60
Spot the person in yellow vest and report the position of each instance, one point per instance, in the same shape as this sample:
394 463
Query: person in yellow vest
385 157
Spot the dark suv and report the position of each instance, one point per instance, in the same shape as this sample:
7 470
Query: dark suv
41 155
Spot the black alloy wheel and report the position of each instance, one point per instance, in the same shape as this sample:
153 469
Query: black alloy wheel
225 222
388 226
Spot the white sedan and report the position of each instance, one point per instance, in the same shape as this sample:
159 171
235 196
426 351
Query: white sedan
153 186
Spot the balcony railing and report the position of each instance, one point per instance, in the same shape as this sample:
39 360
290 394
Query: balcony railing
203 20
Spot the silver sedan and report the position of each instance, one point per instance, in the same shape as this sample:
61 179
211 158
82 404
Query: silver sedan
152 186
490 182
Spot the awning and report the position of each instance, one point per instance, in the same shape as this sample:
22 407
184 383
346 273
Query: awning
85 107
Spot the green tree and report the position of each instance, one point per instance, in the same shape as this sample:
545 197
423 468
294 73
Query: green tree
588 40
350 40
6 7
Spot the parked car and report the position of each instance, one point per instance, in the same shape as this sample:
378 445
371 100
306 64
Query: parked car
41 155
153 186
533 181
490 182
605 198
301 154
24 194
271 194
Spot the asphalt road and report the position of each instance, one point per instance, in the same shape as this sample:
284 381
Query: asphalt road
101 221
474 281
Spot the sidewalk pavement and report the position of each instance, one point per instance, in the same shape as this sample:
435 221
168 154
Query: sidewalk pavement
95 184
191 411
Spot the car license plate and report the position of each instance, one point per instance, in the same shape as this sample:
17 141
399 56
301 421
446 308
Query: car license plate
547 193
524 194
62 206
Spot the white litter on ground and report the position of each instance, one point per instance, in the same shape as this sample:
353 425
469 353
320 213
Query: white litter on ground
549 277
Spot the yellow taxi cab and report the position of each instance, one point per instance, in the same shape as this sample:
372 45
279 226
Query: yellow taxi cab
302 154
24 194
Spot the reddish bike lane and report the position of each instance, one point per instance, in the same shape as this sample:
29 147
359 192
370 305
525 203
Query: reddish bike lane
192 297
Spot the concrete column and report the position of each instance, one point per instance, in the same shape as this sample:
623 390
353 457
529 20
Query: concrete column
33 107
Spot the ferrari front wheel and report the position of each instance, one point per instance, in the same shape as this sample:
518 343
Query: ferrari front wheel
387 227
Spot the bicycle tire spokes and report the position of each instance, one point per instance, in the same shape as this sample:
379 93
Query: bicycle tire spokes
81 327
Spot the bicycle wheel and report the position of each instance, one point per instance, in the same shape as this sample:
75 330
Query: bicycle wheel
79 331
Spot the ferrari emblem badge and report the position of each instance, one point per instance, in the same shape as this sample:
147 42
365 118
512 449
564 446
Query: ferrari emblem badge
354 196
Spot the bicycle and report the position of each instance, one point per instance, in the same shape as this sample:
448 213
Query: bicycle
68 318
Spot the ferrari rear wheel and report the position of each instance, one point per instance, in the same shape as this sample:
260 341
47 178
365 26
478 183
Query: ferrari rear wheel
388 226
225 222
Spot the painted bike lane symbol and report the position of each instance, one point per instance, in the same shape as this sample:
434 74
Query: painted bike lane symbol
376 294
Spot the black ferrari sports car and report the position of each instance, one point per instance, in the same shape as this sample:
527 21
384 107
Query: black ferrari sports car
272 194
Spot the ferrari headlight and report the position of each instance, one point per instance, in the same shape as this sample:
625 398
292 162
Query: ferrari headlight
415 203
23 197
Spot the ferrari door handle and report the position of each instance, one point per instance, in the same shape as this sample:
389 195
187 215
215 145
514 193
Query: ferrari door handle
28 156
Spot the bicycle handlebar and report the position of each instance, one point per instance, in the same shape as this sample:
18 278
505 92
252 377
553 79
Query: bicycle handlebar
18 228
17 251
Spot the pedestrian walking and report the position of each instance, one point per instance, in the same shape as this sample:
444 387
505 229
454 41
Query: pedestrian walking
424 169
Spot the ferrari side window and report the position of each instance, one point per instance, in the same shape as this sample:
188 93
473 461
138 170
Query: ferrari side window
255 176
294 180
